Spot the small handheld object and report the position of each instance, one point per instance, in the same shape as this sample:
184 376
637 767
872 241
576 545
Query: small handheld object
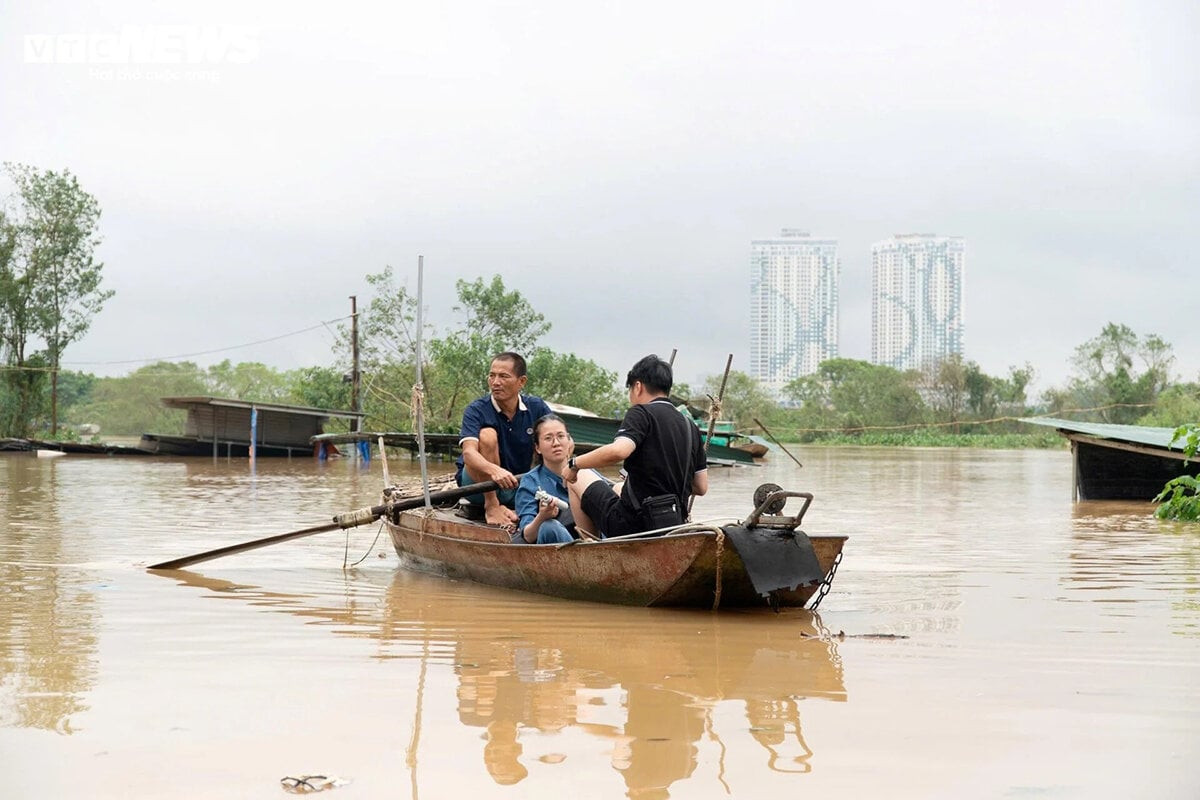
545 497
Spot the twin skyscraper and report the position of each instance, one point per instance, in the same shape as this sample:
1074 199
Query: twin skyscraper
916 303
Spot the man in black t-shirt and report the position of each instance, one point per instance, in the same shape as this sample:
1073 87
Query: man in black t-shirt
664 462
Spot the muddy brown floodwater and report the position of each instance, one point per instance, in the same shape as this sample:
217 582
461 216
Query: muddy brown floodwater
1039 648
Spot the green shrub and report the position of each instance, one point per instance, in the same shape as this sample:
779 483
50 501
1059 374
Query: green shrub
1180 498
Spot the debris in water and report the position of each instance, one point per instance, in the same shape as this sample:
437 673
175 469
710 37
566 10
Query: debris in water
844 635
305 784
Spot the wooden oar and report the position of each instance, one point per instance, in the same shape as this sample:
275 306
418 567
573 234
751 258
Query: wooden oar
776 441
348 519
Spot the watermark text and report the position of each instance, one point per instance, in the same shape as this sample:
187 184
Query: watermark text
148 45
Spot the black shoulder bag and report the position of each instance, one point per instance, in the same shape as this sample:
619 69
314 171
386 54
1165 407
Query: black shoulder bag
659 511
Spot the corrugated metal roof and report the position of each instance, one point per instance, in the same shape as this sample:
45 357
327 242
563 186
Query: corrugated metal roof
1136 434
188 402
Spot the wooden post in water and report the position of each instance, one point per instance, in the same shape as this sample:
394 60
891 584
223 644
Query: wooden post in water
354 376
253 433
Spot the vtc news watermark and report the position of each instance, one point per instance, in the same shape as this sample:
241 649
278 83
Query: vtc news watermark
157 52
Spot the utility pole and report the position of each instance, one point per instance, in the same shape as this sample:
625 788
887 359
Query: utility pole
355 377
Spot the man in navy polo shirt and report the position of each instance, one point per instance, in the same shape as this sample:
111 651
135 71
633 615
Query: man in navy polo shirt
497 437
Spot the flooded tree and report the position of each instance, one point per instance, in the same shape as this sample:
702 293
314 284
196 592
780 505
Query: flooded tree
852 395
49 284
1118 375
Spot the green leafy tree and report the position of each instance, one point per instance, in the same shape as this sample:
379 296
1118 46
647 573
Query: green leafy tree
989 396
1011 391
248 380
318 387
982 400
132 404
1180 498
495 320
1118 373
23 396
50 280
568 379
1174 406
851 395
74 387
387 338
74 392
388 330
23 371
945 384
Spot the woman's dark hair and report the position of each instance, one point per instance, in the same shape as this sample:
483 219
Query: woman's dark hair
537 426
653 372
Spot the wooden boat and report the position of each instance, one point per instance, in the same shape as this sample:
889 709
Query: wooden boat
753 445
696 564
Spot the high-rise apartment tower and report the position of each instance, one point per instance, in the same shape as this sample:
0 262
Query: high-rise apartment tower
793 306
916 300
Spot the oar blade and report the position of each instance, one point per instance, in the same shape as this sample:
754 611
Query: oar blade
348 519
209 555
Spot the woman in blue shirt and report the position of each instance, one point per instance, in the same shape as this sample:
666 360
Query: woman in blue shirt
544 522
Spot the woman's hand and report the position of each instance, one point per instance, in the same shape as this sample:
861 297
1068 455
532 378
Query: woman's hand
547 509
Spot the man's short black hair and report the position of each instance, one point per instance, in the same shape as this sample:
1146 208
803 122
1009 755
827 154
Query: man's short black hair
653 372
517 360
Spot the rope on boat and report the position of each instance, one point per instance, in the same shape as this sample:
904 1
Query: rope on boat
346 554
352 519
417 400
687 527
714 409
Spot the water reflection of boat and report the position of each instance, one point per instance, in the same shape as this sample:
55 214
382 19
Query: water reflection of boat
765 559
669 687
651 692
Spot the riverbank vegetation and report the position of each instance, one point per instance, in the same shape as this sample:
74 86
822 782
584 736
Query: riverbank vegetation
1180 498
1118 376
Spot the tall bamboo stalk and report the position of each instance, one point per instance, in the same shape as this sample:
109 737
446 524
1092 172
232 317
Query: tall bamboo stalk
420 387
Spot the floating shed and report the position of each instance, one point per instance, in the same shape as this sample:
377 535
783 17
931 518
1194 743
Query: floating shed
1120 462
219 426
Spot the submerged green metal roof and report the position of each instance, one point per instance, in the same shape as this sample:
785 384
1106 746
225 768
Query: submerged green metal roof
1136 434
597 431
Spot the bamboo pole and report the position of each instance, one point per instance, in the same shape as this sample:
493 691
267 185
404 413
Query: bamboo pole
712 423
712 411
420 387
777 442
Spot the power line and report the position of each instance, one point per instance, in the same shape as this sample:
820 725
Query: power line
323 324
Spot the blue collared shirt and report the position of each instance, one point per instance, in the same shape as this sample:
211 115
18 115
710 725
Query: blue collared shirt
515 435
540 477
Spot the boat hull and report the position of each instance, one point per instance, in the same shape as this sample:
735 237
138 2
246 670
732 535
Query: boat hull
697 568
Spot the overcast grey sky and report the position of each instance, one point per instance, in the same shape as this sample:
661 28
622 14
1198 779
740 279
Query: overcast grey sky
612 161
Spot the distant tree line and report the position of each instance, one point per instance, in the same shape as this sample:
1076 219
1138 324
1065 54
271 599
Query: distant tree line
1118 376
490 319
50 290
